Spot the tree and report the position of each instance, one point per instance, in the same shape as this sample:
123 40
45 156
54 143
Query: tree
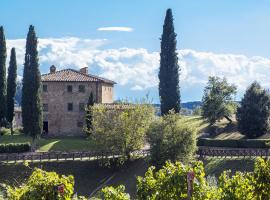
217 100
11 87
31 101
3 87
89 117
169 91
120 128
254 111
171 139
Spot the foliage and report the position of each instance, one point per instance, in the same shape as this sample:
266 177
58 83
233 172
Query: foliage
262 177
114 193
121 128
169 70
234 143
42 185
170 182
11 86
89 115
217 99
171 139
197 111
31 102
3 84
254 111
14 147
237 187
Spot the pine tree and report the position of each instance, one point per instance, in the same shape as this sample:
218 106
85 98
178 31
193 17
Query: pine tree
253 114
31 100
11 87
169 90
3 87
89 117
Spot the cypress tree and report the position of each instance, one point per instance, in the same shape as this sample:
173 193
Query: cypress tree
31 100
11 87
89 117
3 87
169 90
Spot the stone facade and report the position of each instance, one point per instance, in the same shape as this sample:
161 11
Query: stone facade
65 95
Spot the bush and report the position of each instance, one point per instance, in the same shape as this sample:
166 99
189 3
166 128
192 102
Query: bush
114 193
231 143
170 139
237 187
262 177
42 185
120 128
170 182
254 112
15 147
4 131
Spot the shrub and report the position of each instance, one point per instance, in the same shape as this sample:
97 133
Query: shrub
41 185
114 193
237 187
121 129
15 147
231 143
262 177
4 131
170 139
254 112
170 182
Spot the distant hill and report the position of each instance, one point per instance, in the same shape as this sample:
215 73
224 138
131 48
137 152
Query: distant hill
191 105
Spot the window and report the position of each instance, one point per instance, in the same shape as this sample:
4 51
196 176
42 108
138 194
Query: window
80 124
45 88
70 106
69 88
81 107
81 88
45 107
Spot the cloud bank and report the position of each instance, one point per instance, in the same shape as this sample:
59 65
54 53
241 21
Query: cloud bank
137 69
116 28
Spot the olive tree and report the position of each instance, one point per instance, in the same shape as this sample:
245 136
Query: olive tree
217 100
120 128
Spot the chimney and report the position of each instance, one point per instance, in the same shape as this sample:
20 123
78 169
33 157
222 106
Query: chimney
84 70
52 69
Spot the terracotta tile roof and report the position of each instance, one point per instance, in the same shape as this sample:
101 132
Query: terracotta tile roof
71 75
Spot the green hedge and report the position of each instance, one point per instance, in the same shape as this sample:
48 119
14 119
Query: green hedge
14 147
243 143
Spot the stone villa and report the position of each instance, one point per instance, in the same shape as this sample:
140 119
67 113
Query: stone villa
65 95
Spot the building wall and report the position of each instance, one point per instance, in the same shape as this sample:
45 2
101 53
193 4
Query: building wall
60 120
107 93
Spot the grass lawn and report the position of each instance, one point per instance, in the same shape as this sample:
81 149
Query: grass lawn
53 144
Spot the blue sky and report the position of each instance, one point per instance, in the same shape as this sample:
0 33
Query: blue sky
225 38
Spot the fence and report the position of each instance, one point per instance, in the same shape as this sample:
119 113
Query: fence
57 156
203 152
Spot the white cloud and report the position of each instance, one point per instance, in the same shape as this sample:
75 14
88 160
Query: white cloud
116 28
137 69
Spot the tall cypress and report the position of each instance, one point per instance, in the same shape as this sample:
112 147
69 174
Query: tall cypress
11 87
89 117
31 93
3 81
169 91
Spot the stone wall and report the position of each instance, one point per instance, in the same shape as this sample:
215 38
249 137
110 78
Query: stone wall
60 120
